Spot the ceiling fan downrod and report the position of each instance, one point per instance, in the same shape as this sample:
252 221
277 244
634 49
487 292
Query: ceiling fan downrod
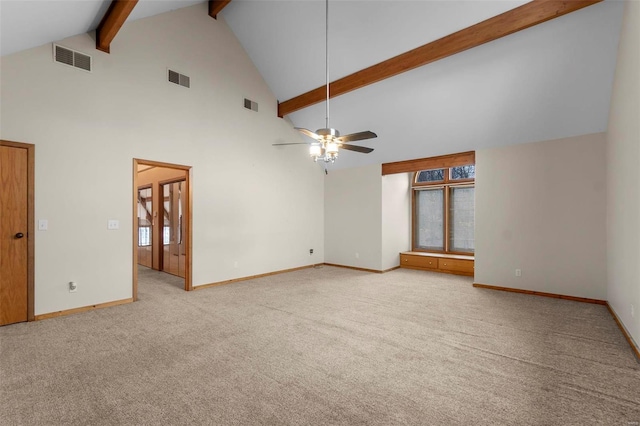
326 60
328 141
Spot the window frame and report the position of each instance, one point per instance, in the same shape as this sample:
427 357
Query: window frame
447 185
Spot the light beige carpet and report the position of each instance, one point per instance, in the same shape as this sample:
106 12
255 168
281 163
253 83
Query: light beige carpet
318 347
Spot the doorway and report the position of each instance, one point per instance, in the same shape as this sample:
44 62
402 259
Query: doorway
17 239
162 219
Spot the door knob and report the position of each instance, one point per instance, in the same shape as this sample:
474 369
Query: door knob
19 235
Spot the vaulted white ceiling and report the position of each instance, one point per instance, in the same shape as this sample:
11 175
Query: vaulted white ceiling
29 23
550 81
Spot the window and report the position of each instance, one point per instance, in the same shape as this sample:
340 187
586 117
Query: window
430 218
463 172
443 210
461 218
144 236
430 176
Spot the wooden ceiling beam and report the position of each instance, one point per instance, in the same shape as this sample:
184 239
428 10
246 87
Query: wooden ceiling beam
111 23
518 19
432 163
216 6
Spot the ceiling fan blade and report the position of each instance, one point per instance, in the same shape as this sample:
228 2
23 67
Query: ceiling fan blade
357 136
293 143
357 148
307 132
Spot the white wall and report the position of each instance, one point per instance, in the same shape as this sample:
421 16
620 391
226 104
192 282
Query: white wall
396 218
623 185
367 217
540 207
353 214
252 203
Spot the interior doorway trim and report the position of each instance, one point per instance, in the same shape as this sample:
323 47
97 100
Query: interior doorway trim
188 285
31 161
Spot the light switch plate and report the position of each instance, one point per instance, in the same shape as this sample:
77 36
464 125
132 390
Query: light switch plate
43 225
113 224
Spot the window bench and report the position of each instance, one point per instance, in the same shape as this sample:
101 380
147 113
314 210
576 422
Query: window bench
437 262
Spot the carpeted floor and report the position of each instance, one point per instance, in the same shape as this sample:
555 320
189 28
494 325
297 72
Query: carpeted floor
318 347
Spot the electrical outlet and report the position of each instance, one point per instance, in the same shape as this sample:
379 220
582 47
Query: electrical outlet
518 272
113 224
357 255
310 251
73 287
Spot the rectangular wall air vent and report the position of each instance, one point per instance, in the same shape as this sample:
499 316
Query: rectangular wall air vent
177 78
72 58
249 104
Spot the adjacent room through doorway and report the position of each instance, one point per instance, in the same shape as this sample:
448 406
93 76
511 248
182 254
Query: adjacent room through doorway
162 216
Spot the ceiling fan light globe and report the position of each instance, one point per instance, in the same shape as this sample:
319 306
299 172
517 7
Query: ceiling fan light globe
315 151
331 149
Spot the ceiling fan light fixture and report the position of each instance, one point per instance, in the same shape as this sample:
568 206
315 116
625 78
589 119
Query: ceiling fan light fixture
328 141
331 149
315 151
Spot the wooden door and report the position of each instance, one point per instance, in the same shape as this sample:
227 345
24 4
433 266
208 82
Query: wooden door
14 172
173 252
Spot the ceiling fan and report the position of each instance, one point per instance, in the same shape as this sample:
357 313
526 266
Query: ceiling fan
327 141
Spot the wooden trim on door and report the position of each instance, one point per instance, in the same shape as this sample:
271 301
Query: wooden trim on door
161 164
134 231
31 229
188 273
158 237
188 284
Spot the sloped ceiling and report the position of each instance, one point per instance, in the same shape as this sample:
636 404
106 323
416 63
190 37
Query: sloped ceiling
29 23
550 81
